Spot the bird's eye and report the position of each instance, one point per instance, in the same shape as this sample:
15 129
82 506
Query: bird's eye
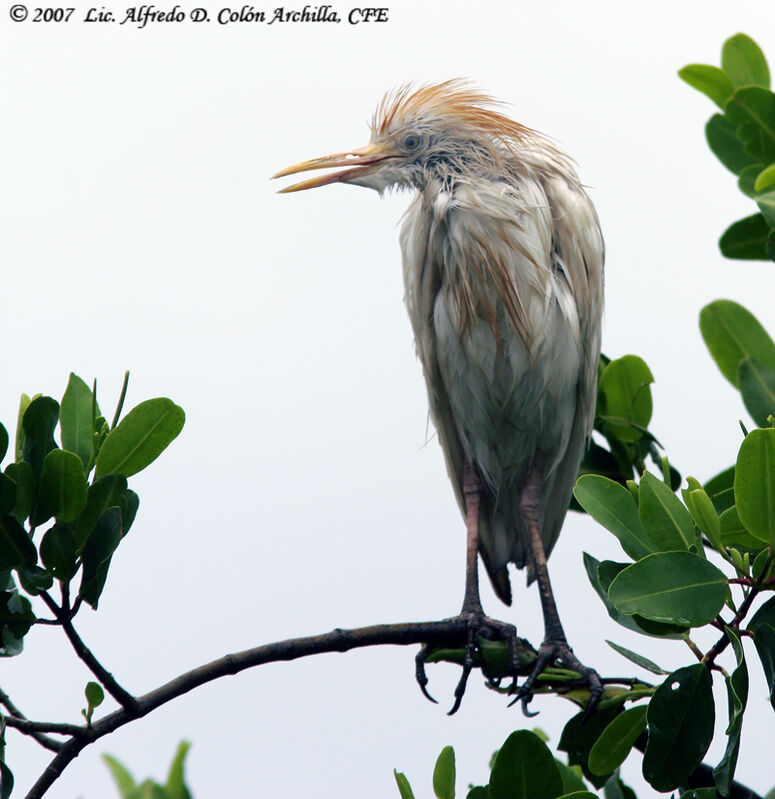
412 141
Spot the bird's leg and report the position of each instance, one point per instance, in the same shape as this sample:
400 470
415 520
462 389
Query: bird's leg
472 492
555 645
473 621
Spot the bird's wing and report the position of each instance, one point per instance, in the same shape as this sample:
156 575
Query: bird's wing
579 251
422 280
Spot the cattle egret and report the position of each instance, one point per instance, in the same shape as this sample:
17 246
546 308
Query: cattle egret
503 269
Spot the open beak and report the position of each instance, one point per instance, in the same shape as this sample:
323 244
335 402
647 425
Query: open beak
359 161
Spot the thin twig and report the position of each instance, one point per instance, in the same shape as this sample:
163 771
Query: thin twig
723 642
121 695
16 718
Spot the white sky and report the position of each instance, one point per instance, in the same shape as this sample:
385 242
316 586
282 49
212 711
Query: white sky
139 230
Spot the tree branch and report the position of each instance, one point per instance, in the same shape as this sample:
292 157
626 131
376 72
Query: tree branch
291 649
122 696
17 719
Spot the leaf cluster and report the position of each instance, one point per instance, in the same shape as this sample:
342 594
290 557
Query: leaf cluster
65 507
174 788
743 138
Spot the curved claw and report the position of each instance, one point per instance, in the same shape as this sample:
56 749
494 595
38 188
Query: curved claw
460 688
595 693
419 672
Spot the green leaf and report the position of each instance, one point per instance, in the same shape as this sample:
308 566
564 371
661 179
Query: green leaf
677 587
755 484
704 515
752 109
3 441
667 522
746 239
39 422
571 781
140 437
121 776
97 552
444 774
601 576
35 580
612 505
7 494
612 747
478 792
680 721
579 736
75 419
129 506
747 180
734 534
578 795
711 81
95 696
765 179
176 779
6 781
16 548
107 492
57 551
63 487
722 139
616 789
404 789
762 625
757 387
744 63
737 698
639 660
731 334
720 489
21 474
766 203
524 769
624 386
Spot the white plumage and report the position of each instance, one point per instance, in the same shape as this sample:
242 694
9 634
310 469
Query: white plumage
503 267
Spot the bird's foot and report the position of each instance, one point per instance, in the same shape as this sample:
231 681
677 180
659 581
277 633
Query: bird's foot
472 630
557 652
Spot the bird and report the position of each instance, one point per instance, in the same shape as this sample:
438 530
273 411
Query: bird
503 269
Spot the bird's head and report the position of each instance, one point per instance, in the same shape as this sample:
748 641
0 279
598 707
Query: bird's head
439 130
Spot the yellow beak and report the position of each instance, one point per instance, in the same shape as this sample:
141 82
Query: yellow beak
361 159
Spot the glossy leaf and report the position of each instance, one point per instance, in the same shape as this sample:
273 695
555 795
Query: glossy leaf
62 491
720 489
680 718
16 548
478 792
444 774
757 387
722 139
634 657
711 81
734 534
578 795
624 386
755 484
579 736
57 551
571 781
737 698
3 441
612 505
6 781
34 580
766 203
762 625
140 437
765 179
404 789
75 419
601 576
744 63
107 492
614 744
678 587
7 494
746 239
39 422
704 515
666 520
524 769
616 789
97 552
21 473
733 333
175 786
752 109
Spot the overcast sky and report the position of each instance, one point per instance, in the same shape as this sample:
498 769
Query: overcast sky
139 231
